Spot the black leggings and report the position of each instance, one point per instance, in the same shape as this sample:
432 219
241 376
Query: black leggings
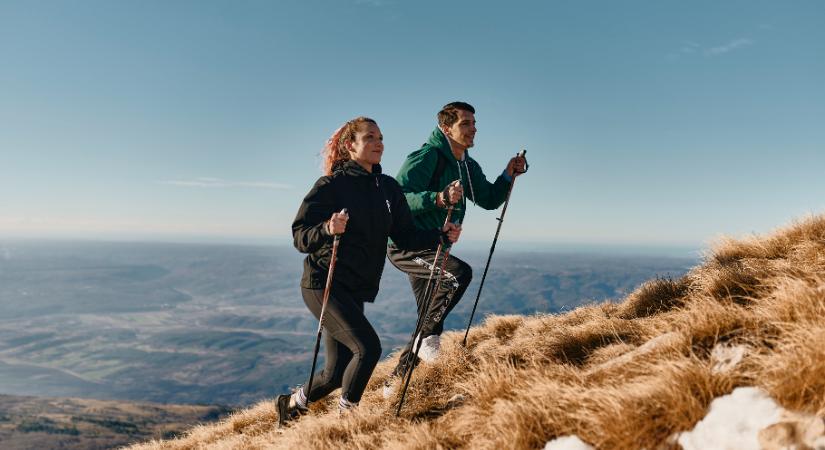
352 346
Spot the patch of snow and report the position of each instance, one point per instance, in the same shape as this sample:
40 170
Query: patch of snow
567 443
733 421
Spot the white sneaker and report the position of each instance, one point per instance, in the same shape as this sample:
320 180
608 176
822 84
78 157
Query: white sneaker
430 347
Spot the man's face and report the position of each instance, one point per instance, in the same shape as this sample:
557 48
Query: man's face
463 131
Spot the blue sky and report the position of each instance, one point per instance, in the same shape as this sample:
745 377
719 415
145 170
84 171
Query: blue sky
646 122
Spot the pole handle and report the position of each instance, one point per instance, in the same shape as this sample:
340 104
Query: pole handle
521 155
335 238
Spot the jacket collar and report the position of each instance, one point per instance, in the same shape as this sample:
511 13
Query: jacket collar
352 168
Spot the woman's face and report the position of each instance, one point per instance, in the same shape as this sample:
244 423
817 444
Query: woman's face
368 145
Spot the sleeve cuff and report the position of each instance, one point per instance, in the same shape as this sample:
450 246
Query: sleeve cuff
506 177
432 196
325 229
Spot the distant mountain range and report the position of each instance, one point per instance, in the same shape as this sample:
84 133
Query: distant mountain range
218 324
74 423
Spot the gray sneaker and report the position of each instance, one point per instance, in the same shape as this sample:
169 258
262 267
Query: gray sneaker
346 407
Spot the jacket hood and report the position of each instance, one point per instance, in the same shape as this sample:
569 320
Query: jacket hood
439 140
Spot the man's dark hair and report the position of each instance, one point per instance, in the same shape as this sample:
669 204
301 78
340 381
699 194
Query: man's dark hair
449 113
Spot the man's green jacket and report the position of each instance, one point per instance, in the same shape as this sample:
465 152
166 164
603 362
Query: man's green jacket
417 172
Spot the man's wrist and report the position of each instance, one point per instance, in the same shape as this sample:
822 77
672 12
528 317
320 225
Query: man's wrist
507 177
439 200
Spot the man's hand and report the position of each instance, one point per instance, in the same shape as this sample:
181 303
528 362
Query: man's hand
337 224
451 195
517 166
453 231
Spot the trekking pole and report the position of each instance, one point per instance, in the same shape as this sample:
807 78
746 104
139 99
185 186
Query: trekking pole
429 294
332 260
492 249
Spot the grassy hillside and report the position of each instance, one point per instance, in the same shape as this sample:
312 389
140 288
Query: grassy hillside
622 375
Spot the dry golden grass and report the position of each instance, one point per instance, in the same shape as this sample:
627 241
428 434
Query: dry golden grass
620 376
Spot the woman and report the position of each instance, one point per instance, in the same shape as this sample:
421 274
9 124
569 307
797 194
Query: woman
376 209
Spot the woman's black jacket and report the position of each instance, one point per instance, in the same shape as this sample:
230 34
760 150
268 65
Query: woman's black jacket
377 209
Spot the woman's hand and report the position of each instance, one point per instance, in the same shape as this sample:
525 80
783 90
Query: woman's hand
337 224
453 231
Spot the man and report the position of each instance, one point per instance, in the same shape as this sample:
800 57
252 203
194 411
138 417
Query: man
438 175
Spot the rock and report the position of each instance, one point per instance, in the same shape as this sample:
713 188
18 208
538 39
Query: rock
794 431
725 357
671 443
455 400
